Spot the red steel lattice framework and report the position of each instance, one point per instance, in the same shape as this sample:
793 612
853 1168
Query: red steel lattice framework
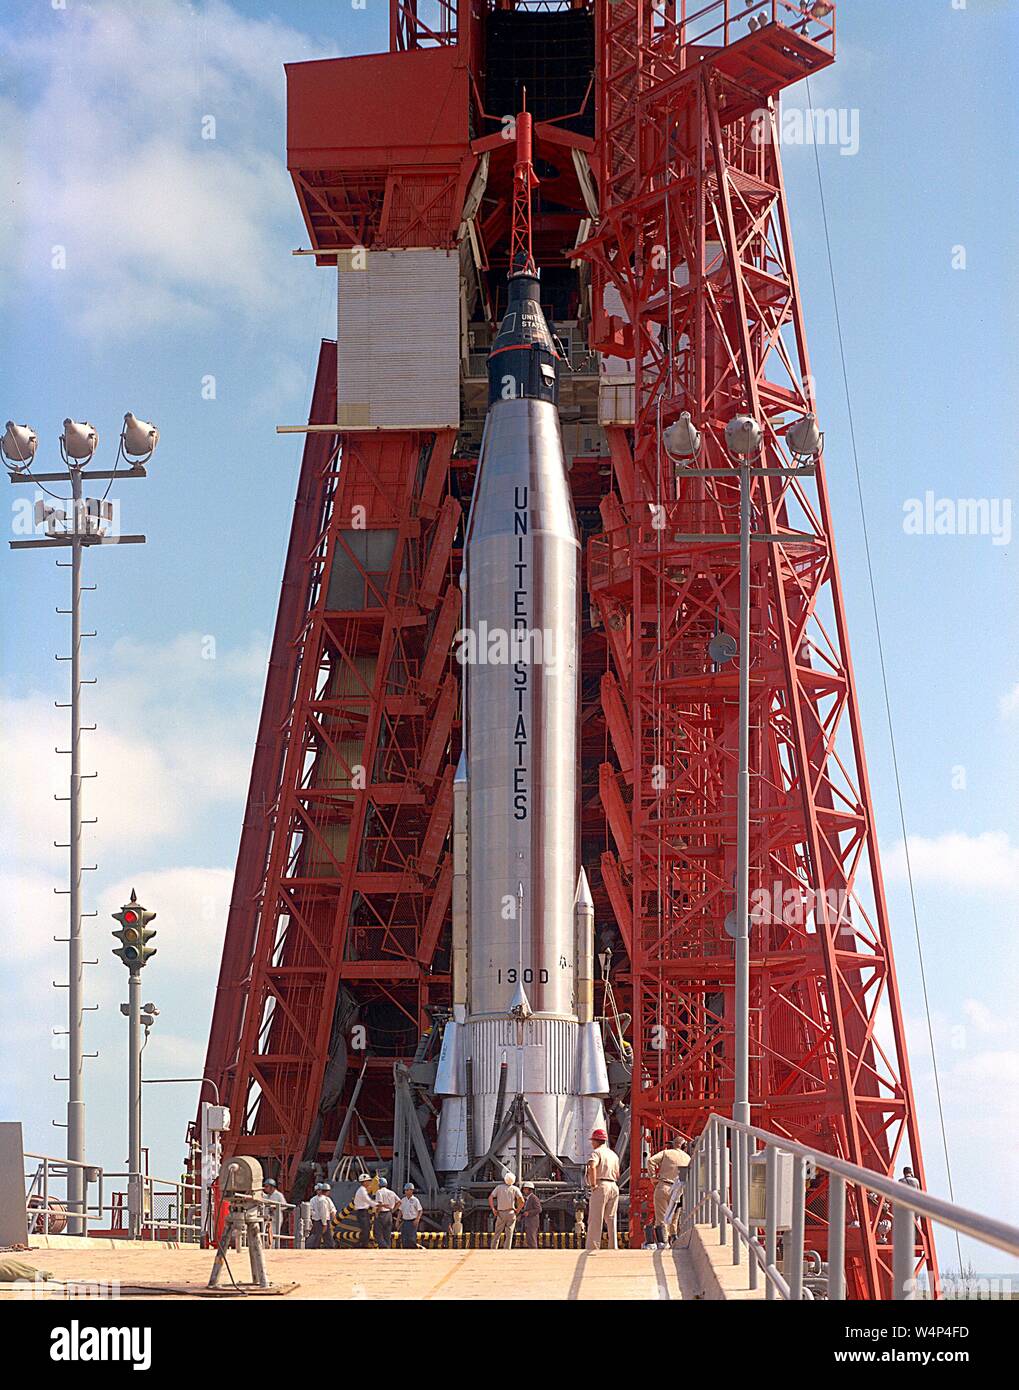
344 876
351 752
695 236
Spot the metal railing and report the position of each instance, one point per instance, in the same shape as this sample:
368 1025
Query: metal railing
723 22
581 363
170 1208
47 1203
717 1182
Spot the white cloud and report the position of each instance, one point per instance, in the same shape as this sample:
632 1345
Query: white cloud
176 729
984 1022
33 914
191 906
34 775
107 160
177 724
170 1053
984 863
1009 704
33 949
193 659
978 1066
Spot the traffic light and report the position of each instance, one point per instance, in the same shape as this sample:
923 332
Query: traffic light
134 934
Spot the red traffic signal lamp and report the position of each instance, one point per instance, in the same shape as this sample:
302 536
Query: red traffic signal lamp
134 934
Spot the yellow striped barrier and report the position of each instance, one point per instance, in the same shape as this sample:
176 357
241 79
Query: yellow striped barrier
344 1235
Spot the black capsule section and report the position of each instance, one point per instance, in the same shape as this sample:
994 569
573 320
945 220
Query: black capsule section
523 361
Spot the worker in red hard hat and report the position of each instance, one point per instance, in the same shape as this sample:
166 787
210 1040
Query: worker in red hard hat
602 1177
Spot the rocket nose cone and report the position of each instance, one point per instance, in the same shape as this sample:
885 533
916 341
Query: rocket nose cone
583 896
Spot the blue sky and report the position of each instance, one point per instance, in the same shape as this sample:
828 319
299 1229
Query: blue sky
178 269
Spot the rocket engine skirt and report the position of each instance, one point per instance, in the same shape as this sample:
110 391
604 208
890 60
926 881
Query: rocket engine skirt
556 1064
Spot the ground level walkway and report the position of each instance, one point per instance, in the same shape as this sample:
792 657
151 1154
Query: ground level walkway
549 1275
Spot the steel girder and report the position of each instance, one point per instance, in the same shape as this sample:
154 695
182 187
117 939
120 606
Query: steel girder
695 238
344 876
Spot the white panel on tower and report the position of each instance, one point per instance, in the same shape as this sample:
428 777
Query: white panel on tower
398 340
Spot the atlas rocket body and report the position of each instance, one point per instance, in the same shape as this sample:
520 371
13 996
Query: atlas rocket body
522 1031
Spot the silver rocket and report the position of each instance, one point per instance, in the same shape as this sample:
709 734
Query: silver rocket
523 918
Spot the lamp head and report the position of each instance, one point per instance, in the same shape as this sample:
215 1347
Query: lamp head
682 439
743 436
138 437
79 440
19 444
804 437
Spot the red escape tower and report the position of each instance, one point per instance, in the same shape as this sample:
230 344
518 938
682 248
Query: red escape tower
662 231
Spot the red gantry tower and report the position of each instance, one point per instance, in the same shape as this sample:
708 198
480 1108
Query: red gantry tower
663 233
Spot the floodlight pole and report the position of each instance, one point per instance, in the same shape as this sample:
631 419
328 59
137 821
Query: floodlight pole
741 1042
76 1193
79 536
741 1088
746 471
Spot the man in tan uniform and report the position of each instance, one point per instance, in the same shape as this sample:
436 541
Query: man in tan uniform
602 1175
505 1201
665 1167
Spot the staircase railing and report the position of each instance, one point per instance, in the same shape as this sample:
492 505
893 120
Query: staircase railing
718 1185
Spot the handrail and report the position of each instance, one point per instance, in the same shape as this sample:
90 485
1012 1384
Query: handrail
179 1221
178 1195
48 1166
50 1171
968 1223
720 23
64 1162
711 1177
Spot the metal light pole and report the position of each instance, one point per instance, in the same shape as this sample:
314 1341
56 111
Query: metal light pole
134 935
81 527
134 1103
741 1091
744 441
139 1015
76 1193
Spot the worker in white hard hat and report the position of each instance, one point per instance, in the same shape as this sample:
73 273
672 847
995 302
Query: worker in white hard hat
274 1204
602 1178
322 1213
505 1202
666 1167
531 1215
386 1202
410 1218
364 1206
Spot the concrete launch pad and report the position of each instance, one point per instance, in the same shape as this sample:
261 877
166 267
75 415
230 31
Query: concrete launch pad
548 1275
